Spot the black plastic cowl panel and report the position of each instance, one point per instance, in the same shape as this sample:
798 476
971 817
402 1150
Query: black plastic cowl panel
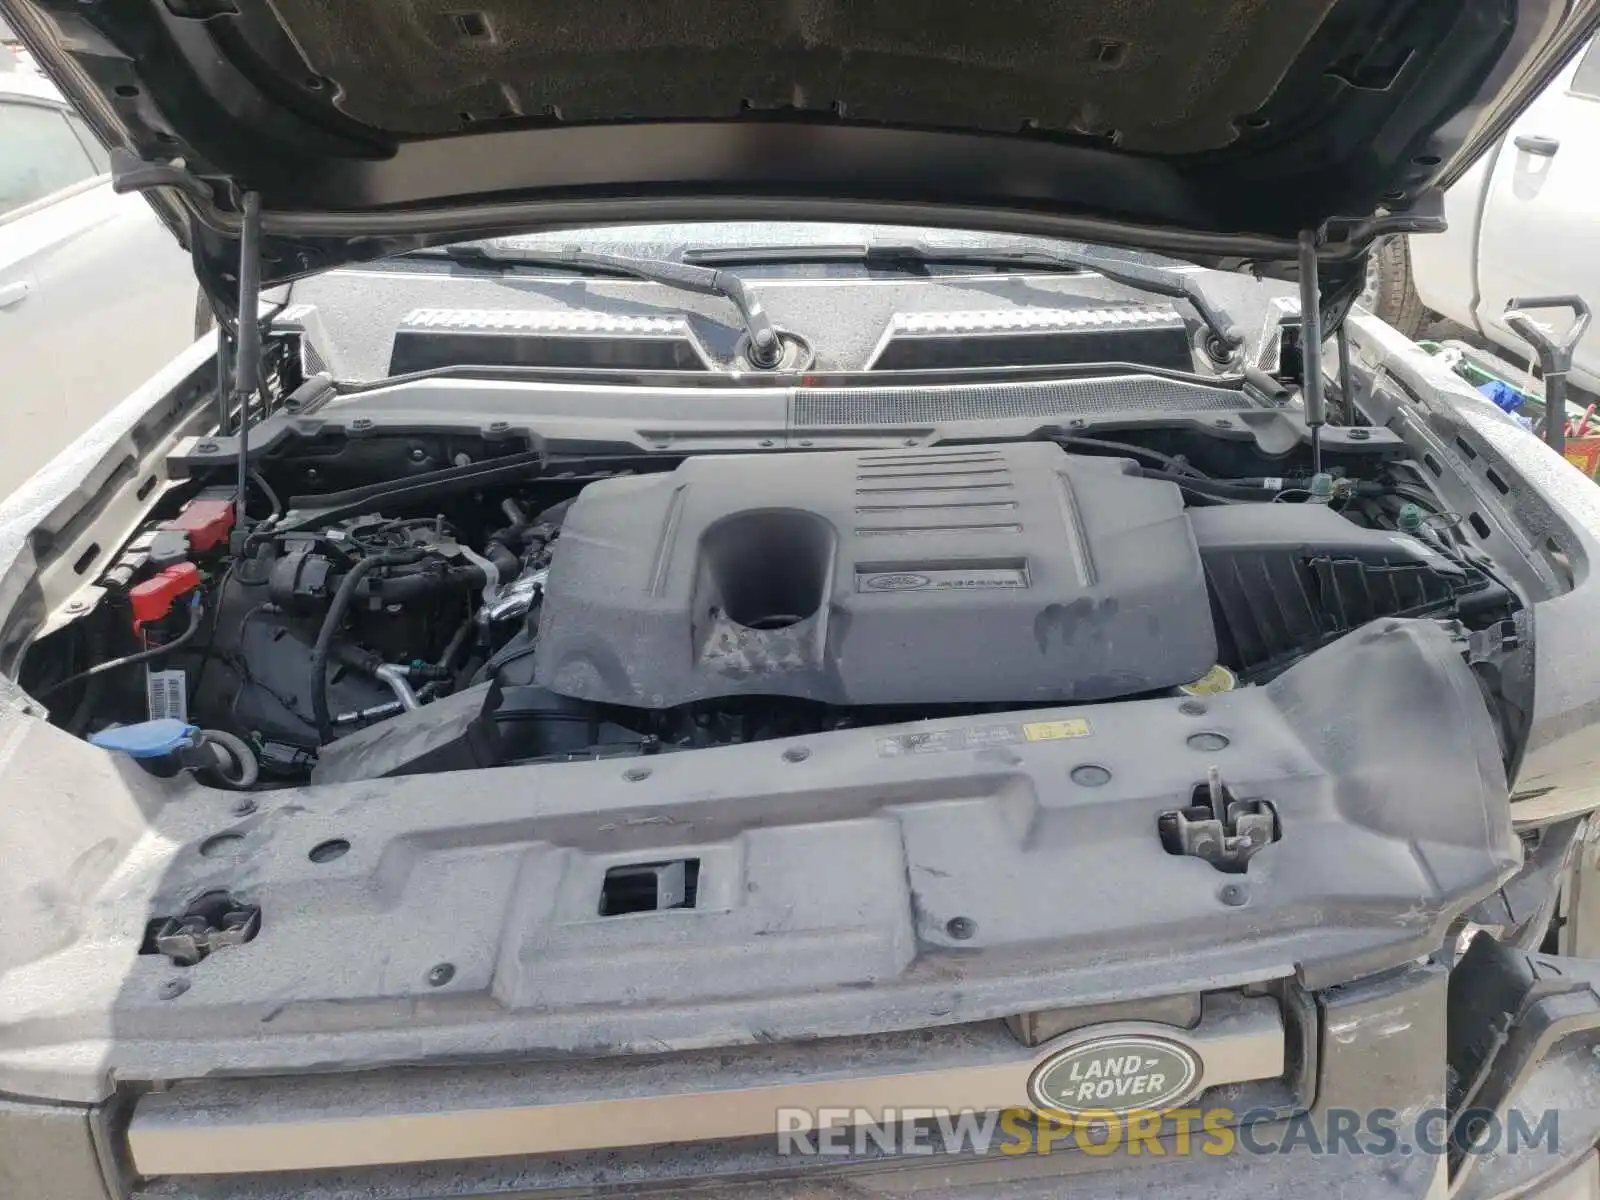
1011 573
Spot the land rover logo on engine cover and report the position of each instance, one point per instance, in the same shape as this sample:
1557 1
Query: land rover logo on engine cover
1117 1073
904 582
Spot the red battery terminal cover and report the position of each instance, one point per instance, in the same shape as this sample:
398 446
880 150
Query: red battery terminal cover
207 522
153 599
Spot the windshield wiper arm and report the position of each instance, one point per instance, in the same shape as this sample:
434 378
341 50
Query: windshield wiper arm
1160 281
765 348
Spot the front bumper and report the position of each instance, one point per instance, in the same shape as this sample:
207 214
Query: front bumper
1378 1080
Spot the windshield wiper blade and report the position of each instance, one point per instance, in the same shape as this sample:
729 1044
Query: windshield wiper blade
766 350
1160 281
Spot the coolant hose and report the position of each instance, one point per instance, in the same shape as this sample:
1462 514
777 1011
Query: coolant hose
330 630
505 560
239 751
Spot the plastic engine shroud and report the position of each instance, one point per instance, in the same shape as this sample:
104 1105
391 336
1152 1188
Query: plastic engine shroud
964 574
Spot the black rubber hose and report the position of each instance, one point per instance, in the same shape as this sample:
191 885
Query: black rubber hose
272 497
520 646
457 641
90 701
555 514
1216 487
505 560
196 610
330 630
238 750
1256 489
1177 465
1207 500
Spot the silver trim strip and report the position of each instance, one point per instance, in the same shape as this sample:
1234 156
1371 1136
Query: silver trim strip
238 1127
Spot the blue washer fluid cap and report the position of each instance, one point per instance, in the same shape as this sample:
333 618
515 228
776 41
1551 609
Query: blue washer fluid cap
1505 397
147 739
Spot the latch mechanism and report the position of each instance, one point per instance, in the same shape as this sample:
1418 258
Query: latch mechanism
213 921
1219 827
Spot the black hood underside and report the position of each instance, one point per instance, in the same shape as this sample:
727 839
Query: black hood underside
371 125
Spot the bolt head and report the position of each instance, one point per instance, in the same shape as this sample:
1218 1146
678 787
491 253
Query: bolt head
206 448
442 974
499 427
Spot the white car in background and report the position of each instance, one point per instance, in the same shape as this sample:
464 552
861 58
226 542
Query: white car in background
95 293
1524 221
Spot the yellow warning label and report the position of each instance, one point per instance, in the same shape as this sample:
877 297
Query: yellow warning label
1055 731
1213 683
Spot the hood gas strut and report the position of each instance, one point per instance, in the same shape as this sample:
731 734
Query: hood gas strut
247 356
1311 346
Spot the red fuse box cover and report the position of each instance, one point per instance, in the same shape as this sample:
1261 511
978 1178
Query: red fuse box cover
152 599
207 522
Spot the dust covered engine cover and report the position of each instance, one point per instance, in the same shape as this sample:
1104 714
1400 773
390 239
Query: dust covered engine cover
967 574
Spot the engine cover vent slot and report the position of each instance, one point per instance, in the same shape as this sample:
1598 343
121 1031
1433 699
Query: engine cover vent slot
649 887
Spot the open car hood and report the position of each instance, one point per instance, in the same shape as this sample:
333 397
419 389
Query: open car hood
1207 128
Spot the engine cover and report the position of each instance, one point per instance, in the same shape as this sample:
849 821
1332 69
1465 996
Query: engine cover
966 574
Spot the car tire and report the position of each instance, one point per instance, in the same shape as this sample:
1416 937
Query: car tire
1390 292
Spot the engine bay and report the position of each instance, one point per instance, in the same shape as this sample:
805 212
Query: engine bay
513 608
